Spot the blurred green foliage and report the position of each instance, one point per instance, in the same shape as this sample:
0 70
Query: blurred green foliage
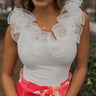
89 85
3 22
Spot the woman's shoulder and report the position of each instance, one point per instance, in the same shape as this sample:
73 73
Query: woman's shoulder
8 35
86 24
86 16
9 28
86 19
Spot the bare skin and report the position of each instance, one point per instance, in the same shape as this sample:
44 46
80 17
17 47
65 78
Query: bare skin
11 55
9 61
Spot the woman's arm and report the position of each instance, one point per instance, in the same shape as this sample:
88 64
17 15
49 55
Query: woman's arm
81 61
10 57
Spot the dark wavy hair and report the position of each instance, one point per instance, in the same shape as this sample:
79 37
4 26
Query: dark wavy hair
28 4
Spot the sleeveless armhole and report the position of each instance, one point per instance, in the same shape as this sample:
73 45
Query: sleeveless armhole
14 27
19 19
79 18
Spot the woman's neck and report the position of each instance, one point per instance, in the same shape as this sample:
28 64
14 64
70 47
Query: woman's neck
47 11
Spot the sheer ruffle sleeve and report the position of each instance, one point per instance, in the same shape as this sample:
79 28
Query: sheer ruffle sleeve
73 19
19 19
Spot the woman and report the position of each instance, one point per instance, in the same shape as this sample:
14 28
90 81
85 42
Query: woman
47 35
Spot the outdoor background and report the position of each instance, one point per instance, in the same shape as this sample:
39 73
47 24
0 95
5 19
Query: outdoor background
89 6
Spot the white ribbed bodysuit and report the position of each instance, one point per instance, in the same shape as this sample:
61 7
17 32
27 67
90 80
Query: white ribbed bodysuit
47 60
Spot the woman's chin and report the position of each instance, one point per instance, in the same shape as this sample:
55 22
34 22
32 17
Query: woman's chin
39 3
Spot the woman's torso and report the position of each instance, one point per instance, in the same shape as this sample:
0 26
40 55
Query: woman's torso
47 60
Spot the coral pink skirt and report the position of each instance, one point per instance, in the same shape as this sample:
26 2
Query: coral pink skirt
27 88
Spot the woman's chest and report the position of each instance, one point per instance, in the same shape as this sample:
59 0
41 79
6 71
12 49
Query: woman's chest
34 48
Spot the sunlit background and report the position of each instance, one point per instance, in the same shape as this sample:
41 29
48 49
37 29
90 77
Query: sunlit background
89 6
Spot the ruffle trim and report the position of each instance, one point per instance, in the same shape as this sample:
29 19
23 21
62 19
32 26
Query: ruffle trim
69 27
